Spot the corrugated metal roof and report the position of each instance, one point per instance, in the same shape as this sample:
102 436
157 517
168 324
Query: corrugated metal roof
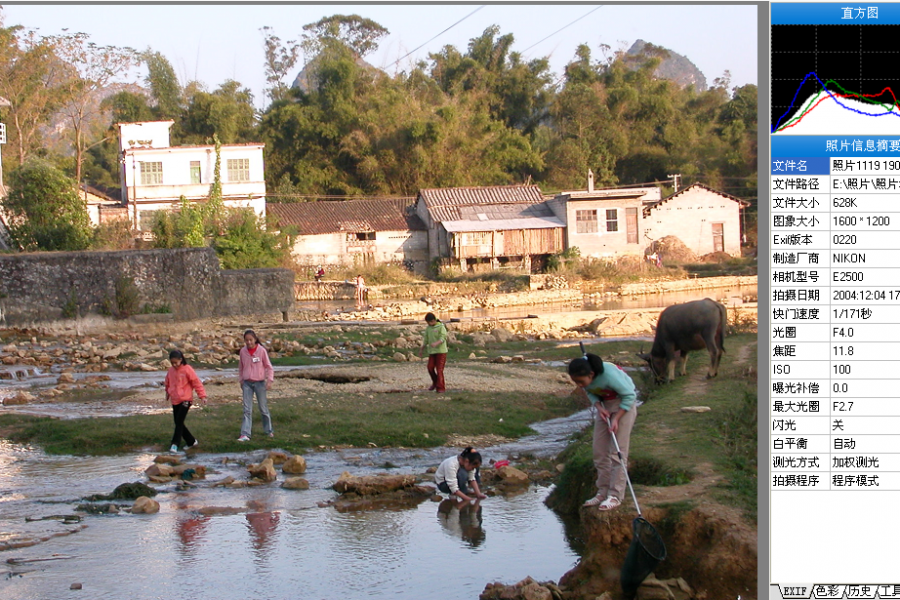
314 218
443 204
504 224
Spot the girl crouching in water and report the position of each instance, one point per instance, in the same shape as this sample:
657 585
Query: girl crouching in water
181 383
612 392
457 473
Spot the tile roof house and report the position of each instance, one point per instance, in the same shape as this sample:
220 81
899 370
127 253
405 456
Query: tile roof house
706 220
355 232
489 227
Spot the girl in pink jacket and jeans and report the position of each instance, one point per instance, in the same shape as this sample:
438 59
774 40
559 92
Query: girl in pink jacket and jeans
256 376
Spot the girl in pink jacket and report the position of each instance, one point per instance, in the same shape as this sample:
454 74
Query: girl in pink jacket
181 383
256 376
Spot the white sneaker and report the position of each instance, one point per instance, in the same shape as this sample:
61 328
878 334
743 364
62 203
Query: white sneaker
189 446
173 449
244 438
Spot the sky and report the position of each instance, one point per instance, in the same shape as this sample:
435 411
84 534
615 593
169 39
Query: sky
213 43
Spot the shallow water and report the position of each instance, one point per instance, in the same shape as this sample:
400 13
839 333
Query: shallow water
275 543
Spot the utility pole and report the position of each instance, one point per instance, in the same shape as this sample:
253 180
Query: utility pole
675 179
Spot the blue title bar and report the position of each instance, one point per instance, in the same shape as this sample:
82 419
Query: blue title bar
838 13
805 146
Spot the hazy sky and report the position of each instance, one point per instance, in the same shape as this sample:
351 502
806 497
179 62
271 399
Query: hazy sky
213 43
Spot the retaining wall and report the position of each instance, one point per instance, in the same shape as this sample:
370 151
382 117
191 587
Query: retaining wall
46 286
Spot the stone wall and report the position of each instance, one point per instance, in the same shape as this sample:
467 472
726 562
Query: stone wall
189 282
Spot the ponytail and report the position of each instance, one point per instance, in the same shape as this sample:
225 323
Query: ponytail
590 365
470 455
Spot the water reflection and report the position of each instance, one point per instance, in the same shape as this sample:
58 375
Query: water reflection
191 531
262 529
462 520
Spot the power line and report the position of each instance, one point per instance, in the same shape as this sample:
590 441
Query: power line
437 36
560 29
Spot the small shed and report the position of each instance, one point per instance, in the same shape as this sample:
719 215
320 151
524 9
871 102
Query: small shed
483 228
706 220
355 232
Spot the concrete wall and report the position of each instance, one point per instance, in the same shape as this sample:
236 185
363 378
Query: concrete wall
408 247
690 216
38 286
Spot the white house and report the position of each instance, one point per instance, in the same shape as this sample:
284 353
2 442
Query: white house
706 220
156 175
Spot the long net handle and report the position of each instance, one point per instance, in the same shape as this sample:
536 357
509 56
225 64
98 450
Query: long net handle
624 468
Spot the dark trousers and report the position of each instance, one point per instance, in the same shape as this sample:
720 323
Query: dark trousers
462 480
436 364
180 411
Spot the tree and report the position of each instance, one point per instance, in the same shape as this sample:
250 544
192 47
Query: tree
33 79
357 33
163 85
45 210
280 61
228 112
94 69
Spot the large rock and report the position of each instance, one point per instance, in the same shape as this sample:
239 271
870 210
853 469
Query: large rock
502 335
399 357
535 591
19 398
512 476
264 470
295 465
372 484
145 505
158 470
295 483
187 471
278 457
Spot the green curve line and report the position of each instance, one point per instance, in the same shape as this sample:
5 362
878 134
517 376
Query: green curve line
812 101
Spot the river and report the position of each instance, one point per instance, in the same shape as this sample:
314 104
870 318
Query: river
266 542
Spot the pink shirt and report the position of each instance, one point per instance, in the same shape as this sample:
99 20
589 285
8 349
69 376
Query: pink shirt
255 367
181 382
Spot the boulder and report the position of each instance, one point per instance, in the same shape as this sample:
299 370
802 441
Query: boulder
295 483
502 359
295 465
145 505
158 470
168 459
66 378
264 470
19 398
535 591
401 343
502 335
399 357
198 471
512 476
372 484
278 457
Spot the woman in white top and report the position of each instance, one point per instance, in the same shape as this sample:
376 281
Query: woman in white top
457 473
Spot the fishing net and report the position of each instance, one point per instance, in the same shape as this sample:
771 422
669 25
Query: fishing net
646 551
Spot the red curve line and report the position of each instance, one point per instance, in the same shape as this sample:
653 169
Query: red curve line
821 100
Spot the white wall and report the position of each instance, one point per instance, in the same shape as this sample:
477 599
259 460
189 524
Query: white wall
690 215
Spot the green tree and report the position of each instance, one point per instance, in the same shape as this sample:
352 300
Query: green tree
45 212
228 111
359 34
246 243
280 61
163 85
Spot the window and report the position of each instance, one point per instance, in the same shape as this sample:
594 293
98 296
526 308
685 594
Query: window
361 236
195 171
586 221
612 219
238 169
151 173
475 238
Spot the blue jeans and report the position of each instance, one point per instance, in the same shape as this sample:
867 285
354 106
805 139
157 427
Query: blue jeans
462 481
259 388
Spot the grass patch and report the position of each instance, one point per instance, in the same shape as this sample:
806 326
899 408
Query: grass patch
668 445
325 419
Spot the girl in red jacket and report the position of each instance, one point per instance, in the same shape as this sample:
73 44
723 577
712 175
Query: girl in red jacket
181 383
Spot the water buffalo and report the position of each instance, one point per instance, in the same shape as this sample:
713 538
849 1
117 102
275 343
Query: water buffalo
685 327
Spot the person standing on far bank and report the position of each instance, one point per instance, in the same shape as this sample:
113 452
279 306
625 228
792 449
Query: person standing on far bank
256 376
434 340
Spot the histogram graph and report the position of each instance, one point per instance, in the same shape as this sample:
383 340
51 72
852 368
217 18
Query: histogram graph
835 79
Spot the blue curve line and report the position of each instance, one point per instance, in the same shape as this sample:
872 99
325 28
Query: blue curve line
827 91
